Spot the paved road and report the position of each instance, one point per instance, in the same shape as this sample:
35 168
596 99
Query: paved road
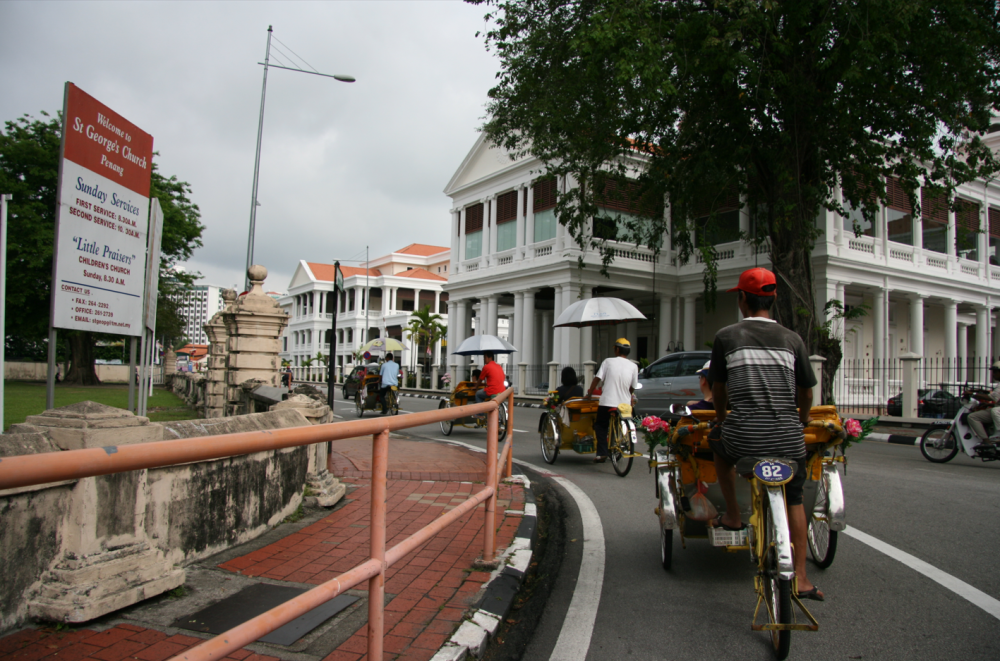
877 607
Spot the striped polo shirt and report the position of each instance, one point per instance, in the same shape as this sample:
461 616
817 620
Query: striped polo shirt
763 364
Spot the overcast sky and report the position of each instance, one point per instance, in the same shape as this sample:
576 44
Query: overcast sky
343 165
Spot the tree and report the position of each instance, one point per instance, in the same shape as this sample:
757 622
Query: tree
29 170
426 326
779 103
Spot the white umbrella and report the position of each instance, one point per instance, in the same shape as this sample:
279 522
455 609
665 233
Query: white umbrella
598 312
381 345
480 344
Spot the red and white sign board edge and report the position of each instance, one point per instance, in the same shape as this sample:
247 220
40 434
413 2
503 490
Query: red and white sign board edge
101 218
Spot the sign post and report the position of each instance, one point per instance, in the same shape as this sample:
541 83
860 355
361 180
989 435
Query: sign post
98 265
4 198
149 309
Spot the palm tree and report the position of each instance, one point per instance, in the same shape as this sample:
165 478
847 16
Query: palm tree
426 327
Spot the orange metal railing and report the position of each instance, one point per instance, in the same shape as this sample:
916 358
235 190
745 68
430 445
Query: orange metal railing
49 467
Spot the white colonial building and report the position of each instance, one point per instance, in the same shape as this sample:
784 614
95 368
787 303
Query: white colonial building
380 296
933 286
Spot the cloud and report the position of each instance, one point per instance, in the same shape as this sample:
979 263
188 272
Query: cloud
343 166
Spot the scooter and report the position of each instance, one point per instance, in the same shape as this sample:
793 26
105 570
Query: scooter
941 443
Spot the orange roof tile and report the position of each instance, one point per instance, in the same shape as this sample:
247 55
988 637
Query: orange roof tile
422 274
422 250
324 272
194 351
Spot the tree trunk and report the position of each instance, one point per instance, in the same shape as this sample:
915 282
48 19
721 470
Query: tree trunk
81 351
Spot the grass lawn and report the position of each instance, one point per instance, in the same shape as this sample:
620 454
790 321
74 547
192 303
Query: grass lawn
24 398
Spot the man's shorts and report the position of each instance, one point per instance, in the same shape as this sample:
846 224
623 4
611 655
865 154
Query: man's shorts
793 489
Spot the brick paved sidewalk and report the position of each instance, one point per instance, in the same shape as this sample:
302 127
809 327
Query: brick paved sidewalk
427 593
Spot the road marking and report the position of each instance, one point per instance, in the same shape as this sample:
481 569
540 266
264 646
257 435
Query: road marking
961 588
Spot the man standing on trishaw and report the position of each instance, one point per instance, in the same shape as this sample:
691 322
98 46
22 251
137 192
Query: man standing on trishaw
620 377
761 371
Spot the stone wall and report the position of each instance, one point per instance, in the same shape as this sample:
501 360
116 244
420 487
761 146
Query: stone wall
80 549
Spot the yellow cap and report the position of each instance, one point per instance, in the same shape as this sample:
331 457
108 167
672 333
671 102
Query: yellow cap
622 342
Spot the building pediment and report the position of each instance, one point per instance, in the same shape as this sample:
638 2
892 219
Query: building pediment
484 160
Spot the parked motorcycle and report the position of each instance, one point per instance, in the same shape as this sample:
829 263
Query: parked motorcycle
941 443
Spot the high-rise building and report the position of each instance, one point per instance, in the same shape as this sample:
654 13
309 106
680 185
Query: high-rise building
198 304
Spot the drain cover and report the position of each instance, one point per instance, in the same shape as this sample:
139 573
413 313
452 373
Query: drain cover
259 598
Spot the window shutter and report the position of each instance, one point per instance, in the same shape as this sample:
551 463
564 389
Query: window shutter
933 207
545 194
994 222
474 218
898 199
507 207
967 215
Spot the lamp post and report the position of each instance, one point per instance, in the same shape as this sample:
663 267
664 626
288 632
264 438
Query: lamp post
260 129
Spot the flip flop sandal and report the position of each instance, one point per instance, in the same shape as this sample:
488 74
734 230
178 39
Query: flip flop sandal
600 460
813 594
717 523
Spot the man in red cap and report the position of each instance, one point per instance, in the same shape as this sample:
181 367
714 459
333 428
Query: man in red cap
762 391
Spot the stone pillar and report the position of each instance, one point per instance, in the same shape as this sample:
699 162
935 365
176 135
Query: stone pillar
982 373
963 351
553 375
878 325
665 326
93 577
515 329
254 325
547 333
916 324
587 333
417 371
522 376
950 338
215 376
527 324
169 363
911 383
817 366
689 327
588 373
492 315
434 376
519 231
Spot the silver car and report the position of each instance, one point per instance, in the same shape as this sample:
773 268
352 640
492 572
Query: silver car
670 380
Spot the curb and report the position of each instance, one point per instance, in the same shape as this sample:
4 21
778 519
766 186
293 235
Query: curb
499 592
898 439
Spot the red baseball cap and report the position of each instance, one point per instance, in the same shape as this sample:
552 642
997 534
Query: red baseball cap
757 281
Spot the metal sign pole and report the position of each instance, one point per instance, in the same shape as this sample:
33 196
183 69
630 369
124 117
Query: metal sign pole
3 300
131 373
140 408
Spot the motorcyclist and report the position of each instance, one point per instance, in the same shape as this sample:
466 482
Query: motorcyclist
978 420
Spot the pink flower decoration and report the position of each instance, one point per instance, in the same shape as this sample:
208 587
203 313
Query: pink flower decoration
853 427
649 423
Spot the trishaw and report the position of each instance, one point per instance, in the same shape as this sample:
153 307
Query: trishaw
366 399
684 467
570 426
465 393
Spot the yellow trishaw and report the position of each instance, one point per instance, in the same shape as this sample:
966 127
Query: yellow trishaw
465 393
570 426
366 399
684 467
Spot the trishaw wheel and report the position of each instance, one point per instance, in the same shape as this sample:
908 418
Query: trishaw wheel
619 445
549 437
822 540
777 592
359 404
446 425
666 547
938 445
502 422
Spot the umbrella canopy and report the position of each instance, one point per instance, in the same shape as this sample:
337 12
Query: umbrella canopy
480 344
381 345
598 312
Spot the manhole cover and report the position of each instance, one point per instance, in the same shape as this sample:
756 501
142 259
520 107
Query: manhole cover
259 598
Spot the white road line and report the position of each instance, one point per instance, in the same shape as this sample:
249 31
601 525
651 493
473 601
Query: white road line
961 588
578 626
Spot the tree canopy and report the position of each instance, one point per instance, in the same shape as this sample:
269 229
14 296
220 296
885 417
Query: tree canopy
778 103
29 170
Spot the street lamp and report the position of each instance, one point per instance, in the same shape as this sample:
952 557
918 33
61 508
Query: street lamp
260 128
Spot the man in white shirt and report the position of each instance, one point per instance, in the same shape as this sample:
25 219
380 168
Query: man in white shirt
620 377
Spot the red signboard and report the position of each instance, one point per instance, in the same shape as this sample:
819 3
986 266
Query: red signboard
104 142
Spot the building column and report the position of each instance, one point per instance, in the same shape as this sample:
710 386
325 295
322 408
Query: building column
665 324
963 350
917 323
995 315
587 333
437 302
689 327
460 326
489 230
547 335
416 299
456 219
982 344
878 325
527 323
451 333
632 335
492 314
950 337
461 239
514 330
529 219
519 231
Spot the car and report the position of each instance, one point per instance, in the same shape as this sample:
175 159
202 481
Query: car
672 379
353 381
930 404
